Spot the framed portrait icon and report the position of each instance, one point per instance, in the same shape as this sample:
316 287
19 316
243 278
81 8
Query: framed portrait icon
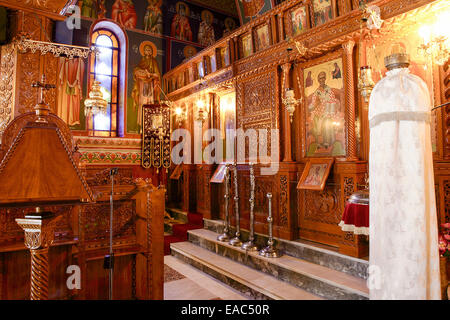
297 20
262 36
323 11
324 113
246 45
315 174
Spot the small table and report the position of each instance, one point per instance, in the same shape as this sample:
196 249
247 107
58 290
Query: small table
355 219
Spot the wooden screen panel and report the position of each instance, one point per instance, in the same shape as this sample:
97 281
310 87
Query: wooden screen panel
98 279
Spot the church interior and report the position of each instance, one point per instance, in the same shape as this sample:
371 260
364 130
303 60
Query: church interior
224 149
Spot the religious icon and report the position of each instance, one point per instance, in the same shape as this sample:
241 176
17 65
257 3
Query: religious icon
189 52
262 37
147 79
309 80
89 9
325 112
180 28
123 12
153 20
315 174
323 11
70 78
299 20
206 31
230 25
336 72
247 48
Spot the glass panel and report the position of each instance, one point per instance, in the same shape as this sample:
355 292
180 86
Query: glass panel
114 90
113 117
105 83
102 122
104 61
115 43
104 41
115 68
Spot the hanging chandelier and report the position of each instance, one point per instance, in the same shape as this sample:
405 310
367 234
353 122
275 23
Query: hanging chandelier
95 104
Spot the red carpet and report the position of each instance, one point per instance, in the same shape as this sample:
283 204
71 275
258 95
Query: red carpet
179 231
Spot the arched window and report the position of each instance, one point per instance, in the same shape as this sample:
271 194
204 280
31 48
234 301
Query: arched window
109 67
105 67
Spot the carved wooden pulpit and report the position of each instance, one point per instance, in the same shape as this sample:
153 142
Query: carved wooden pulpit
37 169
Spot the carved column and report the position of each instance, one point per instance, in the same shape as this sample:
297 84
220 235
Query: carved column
39 235
350 99
280 27
287 156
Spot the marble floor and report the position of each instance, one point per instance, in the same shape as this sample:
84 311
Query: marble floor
184 282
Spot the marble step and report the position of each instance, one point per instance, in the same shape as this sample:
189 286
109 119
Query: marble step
252 283
322 255
316 279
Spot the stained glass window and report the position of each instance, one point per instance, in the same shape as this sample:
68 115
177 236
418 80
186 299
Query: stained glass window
105 69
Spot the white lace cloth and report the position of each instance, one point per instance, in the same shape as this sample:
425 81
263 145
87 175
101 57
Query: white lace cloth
404 260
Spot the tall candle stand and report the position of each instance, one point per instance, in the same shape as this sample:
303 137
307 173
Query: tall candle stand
225 235
250 245
270 251
236 241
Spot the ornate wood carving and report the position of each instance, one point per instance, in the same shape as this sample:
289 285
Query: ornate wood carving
350 99
284 201
8 56
447 200
445 84
257 103
323 207
96 220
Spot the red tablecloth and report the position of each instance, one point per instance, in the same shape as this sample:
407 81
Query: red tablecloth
355 219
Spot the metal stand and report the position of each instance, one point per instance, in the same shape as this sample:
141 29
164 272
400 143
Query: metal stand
109 259
236 241
250 245
270 251
225 235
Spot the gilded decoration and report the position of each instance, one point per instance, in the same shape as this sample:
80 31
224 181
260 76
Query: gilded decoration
8 56
323 206
96 220
156 137
256 103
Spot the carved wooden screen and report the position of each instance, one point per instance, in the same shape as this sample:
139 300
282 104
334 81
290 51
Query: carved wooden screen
256 103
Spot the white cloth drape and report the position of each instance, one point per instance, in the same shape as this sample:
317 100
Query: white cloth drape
404 258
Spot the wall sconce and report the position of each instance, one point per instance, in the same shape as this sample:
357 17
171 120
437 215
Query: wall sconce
436 42
201 112
290 102
366 83
181 115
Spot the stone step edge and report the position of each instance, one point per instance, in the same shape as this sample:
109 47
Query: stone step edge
360 266
328 281
232 276
311 247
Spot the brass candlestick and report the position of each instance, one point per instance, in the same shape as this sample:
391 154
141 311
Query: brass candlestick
250 245
225 235
270 251
236 241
